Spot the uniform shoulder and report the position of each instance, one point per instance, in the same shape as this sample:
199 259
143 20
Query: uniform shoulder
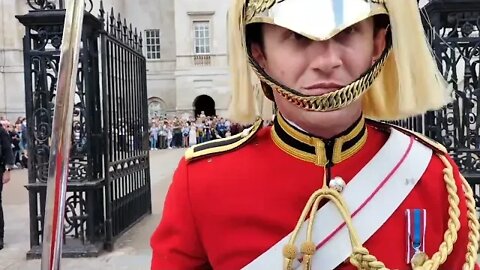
436 146
223 145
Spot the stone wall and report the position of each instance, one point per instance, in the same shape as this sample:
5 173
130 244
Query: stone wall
12 98
176 79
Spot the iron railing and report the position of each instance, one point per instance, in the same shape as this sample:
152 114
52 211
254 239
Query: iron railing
109 182
453 29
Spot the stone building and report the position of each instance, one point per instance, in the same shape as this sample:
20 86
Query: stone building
184 42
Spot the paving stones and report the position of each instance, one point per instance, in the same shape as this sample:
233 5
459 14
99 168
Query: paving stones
132 250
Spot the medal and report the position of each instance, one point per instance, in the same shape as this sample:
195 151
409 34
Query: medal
416 229
418 259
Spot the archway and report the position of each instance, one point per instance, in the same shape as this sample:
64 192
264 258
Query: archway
204 103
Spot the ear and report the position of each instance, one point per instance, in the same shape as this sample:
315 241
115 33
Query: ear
258 55
379 44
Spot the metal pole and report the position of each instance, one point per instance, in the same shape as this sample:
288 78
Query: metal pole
61 136
60 4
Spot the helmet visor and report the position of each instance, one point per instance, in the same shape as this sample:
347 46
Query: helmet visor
314 19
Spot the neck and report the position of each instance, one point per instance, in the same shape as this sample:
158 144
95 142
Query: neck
327 129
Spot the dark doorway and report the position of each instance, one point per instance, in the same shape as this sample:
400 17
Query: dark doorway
204 103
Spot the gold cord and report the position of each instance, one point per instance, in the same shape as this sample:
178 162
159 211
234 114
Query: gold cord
309 247
360 255
473 225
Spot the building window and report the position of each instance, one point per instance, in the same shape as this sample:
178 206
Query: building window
201 37
152 39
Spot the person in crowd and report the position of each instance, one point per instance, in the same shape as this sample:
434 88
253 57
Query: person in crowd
6 165
153 136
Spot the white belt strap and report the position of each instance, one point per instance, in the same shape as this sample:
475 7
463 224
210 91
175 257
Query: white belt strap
372 196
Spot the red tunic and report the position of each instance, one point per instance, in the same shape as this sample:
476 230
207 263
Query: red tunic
223 211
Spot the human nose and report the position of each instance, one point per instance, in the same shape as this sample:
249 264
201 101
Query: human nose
324 56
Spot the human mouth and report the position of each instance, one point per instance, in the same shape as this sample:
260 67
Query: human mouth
321 88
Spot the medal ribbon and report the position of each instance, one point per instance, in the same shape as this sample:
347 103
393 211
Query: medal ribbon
416 227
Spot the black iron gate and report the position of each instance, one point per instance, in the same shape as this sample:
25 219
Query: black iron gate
453 28
109 181
125 101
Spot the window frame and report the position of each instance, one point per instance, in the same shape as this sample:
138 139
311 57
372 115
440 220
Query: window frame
153 50
206 40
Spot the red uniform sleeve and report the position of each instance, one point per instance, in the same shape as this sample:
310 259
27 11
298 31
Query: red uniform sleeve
457 258
175 242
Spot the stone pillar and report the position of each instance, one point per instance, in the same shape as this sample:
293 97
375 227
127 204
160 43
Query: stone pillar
12 100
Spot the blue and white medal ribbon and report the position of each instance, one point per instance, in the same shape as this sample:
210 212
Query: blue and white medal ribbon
416 228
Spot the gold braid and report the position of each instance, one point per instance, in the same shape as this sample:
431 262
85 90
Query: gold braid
473 225
360 256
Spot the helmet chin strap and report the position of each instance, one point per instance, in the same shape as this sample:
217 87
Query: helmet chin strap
326 102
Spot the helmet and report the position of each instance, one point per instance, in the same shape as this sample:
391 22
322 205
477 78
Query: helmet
404 81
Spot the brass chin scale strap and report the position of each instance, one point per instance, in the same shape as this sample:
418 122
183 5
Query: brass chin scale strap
327 102
361 257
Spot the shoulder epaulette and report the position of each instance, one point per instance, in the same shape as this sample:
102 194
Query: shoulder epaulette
436 146
223 145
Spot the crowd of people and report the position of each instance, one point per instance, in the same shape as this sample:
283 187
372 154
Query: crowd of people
165 133
18 137
182 132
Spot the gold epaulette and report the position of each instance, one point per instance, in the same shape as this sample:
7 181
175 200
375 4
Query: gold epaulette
223 145
436 146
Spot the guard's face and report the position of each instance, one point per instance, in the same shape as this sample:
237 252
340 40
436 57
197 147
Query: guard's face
317 67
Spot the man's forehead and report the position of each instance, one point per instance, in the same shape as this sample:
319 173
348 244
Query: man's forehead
315 19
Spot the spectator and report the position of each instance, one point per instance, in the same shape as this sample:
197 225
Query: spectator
192 136
6 164
169 136
15 143
186 133
153 136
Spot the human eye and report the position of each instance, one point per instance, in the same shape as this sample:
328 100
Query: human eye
298 39
298 36
346 34
351 30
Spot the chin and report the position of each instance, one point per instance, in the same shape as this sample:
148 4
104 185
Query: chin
313 121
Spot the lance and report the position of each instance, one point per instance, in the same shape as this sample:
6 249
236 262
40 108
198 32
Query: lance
61 136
